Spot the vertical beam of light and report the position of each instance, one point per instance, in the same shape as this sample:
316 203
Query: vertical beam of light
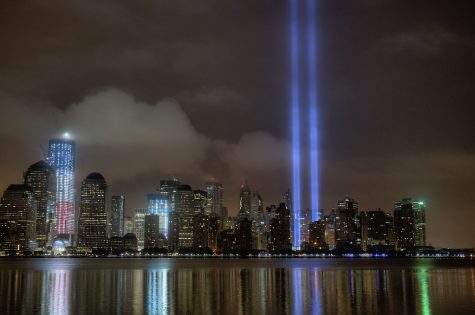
312 104
294 63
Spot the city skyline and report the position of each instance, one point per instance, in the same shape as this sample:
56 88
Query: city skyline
394 100
159 203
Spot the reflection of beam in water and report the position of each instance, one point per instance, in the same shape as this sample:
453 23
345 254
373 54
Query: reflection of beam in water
58 299
297 290
317 292
157 298
422 279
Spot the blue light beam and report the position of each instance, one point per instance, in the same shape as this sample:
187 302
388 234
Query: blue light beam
294 63
312 103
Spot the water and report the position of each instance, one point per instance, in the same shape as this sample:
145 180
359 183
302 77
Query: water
236 286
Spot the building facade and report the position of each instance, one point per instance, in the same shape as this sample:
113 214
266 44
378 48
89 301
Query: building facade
117 216
42 181
61 157
18 216
92 214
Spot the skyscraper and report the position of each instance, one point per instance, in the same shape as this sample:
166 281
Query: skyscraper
152 237
139 226
41 179
186 209
346 225
280 230
18 212
92 213
159 203
165 203
245 196
316 235
61 158
409 223
200 230
215 198
259 228
117 216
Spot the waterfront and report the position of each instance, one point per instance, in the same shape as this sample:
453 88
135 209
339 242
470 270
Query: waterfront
236 286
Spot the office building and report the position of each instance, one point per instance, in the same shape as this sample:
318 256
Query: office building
61 157
18 216
42 180
92 214
117 216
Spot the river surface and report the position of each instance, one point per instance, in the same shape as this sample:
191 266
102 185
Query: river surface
236 286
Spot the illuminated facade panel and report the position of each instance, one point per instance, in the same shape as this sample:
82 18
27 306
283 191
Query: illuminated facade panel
61 157
159 204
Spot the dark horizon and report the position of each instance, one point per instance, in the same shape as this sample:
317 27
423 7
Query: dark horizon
190 90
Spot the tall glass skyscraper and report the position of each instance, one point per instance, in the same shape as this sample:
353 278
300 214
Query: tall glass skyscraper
61 157
117 216
215 198
41 179
93 217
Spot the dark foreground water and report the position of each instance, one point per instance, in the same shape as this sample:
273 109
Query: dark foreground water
236 286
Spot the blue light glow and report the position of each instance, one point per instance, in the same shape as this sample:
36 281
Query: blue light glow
294 64
158 204
312 104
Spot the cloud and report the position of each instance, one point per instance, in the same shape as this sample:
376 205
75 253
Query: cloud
424 41
131 141
217 97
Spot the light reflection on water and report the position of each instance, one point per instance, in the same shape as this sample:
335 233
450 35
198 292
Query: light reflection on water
234 286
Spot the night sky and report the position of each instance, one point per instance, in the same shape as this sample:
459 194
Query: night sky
199 89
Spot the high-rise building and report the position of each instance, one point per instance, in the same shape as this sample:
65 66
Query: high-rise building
244 235
377 230
280 230
346 223
117 216
409 223
92 214
165 203
215 193
18 212
200 199
139 226
186 209
42 181
316 235
305 220
213 231
61 158
245 197
330 232
259 227
128 225
152 237
200 230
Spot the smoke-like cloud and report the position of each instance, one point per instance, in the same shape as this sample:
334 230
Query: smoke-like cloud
128 140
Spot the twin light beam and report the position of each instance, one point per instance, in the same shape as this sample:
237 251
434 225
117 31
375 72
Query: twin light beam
296 113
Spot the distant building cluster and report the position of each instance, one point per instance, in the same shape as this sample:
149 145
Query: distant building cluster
41 215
